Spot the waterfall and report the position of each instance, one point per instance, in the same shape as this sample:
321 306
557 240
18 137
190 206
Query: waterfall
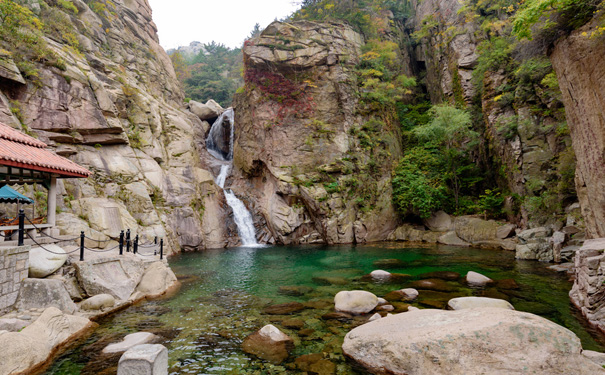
220 148
220 137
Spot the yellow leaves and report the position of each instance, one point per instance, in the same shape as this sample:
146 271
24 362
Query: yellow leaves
309 83
371 73
584 34
371 55
329 6
497 98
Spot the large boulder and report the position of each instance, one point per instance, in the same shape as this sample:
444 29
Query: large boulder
118 276
269 343
22 351
476 279
472 229
491 341
43 263
355 302
450 238
535 245
206 111
43 293
157 280
439 222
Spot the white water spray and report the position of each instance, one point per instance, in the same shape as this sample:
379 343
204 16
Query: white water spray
216 147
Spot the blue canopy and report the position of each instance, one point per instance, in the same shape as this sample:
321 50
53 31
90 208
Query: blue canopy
8 195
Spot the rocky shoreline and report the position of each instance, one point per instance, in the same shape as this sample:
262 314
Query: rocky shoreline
53 312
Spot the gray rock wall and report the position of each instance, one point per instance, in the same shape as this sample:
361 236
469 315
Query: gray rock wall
116 108
14 265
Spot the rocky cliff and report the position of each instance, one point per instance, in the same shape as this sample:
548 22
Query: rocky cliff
310 163
521 118
112 103
579 62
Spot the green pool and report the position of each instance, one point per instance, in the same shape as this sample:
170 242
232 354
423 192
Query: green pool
225 292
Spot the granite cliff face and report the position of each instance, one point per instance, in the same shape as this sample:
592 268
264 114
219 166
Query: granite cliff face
580 66
302 164
524 130
116 107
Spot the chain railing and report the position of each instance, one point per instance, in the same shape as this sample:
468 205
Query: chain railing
124 240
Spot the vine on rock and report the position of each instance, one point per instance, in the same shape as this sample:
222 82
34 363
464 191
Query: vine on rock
290 95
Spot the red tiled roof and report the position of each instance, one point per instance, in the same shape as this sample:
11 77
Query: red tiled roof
22 151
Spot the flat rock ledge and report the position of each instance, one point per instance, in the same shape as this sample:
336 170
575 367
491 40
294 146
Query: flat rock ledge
491 341
28 351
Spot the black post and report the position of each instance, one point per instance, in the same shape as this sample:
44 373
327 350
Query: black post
121 242
82 246
128 241
21 227
155 240
136 244
161 249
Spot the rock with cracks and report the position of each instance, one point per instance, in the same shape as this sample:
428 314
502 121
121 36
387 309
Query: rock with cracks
474 341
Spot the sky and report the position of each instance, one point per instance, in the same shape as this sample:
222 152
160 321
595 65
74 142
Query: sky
181 22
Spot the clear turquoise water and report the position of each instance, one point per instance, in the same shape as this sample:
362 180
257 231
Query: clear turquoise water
224 293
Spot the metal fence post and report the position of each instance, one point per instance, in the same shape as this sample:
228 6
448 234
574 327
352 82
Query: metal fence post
136 244
82 246
121 242
21 227
161 249
155 240
128 241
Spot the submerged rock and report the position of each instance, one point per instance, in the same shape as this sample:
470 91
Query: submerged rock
355 302
473 341
443 275
294 290
284 308
269 343
433 284
389 263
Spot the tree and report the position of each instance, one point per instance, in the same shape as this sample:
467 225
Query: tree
180 67
450 132
255 31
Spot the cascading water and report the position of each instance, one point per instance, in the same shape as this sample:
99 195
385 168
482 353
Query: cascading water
222 150
220 137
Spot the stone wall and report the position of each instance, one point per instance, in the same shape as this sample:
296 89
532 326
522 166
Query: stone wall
587 293
14 265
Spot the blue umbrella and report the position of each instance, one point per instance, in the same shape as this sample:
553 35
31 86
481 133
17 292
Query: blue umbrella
8 195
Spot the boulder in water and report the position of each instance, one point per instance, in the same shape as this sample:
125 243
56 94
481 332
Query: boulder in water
462 303
477 279
130 341
355 302
269 343
380 275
